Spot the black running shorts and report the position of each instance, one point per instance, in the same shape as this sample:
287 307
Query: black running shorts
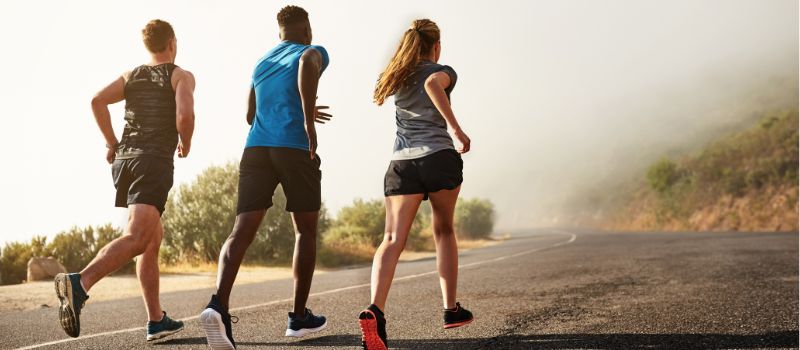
142 180
263 168
438 171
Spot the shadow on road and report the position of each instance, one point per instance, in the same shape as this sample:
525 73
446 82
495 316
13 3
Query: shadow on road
784 339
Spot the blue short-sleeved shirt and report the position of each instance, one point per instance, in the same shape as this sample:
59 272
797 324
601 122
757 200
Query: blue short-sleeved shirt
279 120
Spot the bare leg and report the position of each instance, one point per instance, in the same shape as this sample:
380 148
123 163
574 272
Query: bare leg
232 252
143 223
443 204
400 212
305 257
147 271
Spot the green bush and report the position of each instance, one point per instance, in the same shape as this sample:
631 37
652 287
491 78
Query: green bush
200 216
14 260
474 218
662 175
73 248
364 222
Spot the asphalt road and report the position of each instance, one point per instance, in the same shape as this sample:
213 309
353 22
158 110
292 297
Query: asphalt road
537 290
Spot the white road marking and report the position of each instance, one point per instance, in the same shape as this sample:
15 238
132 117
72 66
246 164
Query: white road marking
331 291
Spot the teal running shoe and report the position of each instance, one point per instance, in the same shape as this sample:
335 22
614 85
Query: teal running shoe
163 328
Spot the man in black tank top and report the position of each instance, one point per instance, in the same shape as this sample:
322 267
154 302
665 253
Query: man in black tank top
159 118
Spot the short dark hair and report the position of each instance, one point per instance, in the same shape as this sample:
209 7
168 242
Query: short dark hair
291 14
156 35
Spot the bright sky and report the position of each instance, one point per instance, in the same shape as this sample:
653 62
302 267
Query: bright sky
538 81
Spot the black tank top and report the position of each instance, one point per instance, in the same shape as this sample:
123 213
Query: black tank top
149 113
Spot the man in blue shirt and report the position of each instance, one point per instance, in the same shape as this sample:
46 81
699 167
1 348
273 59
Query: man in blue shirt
280 149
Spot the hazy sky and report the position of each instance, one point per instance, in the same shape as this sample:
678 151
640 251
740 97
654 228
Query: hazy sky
546 90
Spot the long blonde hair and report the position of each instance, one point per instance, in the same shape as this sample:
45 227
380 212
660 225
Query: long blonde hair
418 40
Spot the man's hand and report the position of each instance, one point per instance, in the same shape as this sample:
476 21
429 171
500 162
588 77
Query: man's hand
111 154
321 117
312 141
183 149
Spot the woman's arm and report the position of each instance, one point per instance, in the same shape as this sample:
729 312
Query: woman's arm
435 86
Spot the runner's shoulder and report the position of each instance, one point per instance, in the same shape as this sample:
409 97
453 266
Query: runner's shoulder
318 52
181 75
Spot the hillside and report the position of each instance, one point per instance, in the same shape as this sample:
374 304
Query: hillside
747 181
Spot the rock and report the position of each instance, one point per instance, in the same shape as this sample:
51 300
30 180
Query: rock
40 269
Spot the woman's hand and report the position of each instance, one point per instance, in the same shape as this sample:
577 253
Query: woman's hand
462 138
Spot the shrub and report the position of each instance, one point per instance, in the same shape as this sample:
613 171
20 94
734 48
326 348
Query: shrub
73 248
364 223
474 218
662 175
200 216
14 261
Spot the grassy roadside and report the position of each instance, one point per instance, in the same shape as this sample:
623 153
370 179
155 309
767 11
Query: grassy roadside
330 257
747 181
184 276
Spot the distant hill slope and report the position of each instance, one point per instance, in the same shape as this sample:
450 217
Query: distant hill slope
747 181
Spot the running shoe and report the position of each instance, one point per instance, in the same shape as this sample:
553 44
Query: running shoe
216 323
373 329
457 317
300 327
72 297
163 328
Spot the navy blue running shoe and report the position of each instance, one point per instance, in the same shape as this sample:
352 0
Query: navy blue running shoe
300 327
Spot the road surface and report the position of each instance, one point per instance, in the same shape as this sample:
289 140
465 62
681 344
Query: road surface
543 289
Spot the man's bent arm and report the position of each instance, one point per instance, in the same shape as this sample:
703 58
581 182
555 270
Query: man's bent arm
184 114
307 81
110 94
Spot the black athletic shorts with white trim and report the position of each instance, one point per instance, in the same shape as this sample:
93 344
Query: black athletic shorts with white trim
441 170
263 168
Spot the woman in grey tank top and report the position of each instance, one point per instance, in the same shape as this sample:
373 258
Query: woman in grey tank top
425 164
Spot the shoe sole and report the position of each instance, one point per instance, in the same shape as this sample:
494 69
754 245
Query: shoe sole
459 324
66 311
369 331
305 331
215 330
159 335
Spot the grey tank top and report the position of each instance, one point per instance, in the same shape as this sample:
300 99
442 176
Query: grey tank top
421 129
